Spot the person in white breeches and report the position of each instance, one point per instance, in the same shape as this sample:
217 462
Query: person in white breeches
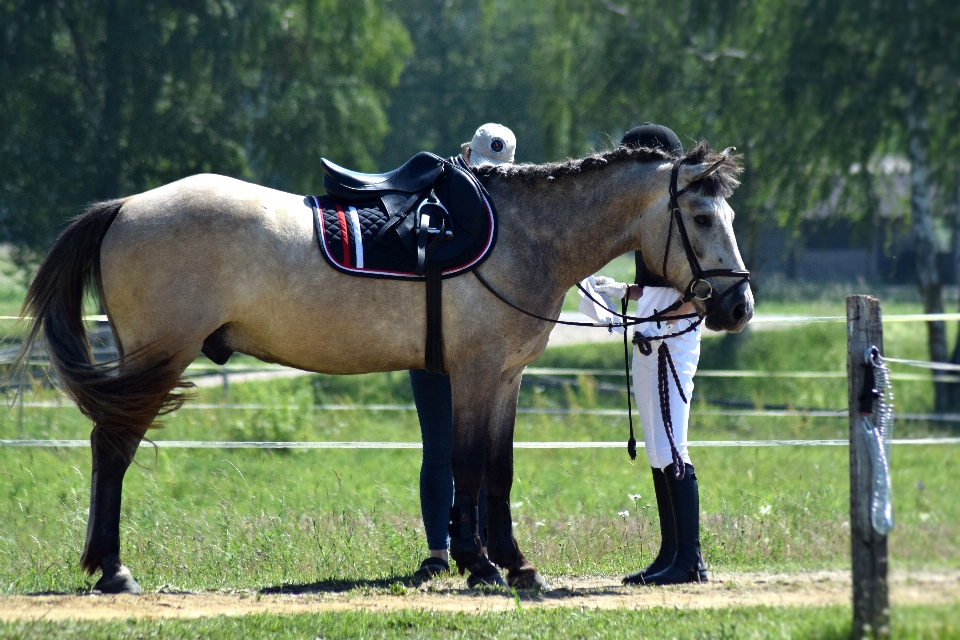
678 502
685 351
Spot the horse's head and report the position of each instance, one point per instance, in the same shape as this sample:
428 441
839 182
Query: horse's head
695 246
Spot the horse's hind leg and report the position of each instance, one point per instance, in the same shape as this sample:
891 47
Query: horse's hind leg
501 545
102 549
124 407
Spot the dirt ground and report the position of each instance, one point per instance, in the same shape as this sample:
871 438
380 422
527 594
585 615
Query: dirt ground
450 595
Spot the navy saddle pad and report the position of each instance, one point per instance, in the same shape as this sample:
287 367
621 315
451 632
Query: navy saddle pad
349 229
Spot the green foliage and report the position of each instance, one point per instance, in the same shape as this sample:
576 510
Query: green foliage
106 98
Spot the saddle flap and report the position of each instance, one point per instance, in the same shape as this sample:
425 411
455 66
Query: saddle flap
467 218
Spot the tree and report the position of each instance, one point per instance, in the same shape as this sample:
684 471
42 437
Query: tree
887 73
104 98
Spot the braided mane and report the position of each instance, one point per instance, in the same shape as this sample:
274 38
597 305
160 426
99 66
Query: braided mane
721 182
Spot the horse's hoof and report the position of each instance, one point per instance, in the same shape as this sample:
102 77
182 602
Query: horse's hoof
484 574
527 580
491 580
120 582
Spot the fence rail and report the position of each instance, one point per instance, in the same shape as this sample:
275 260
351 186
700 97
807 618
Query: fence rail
212 444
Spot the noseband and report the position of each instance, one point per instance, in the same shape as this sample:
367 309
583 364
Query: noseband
699 287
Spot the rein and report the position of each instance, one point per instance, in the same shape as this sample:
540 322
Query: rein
628 321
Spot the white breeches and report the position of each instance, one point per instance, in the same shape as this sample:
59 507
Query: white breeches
685 351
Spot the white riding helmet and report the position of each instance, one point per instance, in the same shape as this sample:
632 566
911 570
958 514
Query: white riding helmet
492 144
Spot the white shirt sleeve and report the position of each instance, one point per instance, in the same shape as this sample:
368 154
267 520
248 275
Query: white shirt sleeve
603 314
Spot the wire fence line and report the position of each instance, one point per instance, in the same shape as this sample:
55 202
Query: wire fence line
212 369
760 319
745 413
211 444
225 370
203 370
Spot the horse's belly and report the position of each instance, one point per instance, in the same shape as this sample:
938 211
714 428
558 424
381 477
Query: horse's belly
342 345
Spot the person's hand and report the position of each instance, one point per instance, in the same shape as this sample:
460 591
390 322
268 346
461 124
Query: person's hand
609 286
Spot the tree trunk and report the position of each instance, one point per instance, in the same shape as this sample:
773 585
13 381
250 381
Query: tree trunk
954 393
115 78
921 212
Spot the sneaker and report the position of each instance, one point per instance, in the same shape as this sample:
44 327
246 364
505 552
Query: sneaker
430 568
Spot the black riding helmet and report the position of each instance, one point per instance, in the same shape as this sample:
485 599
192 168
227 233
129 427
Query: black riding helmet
651 136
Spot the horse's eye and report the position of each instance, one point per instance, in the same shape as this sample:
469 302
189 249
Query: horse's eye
703 221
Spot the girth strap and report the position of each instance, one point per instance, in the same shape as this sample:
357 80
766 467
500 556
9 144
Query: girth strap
434 346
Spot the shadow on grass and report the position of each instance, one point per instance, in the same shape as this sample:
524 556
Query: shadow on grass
407 581
337 586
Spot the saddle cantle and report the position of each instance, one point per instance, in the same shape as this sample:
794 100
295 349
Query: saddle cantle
427 220
414 175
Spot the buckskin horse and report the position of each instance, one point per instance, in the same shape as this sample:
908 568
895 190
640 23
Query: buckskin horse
210 263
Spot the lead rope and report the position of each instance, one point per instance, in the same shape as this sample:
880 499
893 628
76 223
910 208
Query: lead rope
664 359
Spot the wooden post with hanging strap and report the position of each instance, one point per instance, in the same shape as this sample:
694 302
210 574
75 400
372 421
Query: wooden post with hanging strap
871 605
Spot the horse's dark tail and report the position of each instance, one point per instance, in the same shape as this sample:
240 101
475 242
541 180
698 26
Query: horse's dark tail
123 397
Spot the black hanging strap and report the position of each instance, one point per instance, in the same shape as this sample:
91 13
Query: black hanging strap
632 442
434 347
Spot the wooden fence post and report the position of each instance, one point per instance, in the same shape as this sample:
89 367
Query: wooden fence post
871 608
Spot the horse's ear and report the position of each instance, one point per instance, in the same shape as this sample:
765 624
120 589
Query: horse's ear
695 172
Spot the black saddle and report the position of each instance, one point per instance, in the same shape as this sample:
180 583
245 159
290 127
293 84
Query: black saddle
435 205
416 174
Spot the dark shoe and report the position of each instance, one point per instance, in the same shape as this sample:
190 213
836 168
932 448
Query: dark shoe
688 565
668 533
430 568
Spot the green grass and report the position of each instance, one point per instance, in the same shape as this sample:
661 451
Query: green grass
819 623
253 519
204 519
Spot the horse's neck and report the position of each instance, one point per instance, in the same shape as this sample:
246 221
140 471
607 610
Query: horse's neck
574 226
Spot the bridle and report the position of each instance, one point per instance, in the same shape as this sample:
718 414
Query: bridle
691 292
695 289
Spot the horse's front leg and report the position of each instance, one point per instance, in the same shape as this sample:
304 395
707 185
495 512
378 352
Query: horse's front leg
102 548
501 545
474 389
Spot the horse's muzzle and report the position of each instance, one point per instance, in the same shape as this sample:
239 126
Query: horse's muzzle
732 311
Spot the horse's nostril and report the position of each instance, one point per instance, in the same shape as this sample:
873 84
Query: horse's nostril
739 312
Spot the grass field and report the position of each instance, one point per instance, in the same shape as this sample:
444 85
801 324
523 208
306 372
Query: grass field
823 623
244 519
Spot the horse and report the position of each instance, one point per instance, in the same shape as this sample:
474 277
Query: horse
216 265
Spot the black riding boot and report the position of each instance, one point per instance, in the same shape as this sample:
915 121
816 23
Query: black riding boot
668 532
688 564
465 547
